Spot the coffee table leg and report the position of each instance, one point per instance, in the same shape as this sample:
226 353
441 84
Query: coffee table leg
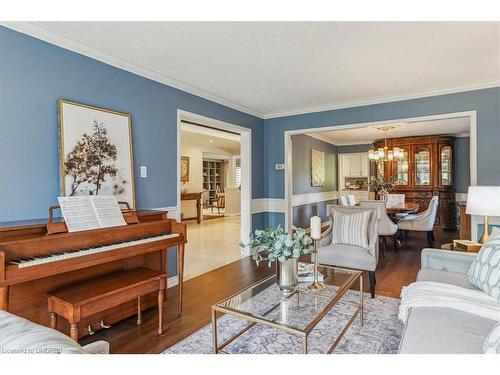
214 330
361 292
305 344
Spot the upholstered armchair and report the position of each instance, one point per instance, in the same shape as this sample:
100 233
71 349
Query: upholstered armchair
385 225
422 222
349 256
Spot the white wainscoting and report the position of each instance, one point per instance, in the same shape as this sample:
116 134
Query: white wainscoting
260 205
309 198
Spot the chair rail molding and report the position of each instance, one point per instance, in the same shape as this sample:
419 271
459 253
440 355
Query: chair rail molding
260 205
309 198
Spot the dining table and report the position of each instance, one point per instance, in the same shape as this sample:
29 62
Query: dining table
406 208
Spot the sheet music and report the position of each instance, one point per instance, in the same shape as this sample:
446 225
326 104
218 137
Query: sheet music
78 213
107 211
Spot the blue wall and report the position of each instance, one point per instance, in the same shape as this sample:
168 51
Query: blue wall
34 74
301 161
486 102
461 164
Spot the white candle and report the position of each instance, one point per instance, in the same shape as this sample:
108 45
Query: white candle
315 227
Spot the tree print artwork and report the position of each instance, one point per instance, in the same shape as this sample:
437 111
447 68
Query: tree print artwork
92 160
98 158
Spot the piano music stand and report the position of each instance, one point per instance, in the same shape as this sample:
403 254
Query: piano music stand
129 216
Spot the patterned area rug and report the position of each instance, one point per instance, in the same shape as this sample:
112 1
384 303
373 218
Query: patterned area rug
380 334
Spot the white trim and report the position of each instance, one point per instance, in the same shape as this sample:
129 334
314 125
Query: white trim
381 100
246 164
173 281
288 149
260 205
308 198
58 39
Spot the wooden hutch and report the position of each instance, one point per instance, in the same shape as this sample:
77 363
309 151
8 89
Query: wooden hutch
424 170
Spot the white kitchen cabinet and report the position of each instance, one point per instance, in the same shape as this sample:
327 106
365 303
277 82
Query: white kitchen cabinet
354 164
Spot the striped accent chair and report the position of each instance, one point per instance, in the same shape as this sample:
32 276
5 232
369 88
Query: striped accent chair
348 249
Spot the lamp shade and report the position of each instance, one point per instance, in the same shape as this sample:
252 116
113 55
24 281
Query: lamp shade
483 200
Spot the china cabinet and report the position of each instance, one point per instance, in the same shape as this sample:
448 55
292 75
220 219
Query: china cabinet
424 170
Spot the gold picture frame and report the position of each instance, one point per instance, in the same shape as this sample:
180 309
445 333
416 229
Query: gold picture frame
184 169
84 129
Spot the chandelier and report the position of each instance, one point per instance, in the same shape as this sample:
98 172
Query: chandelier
384 153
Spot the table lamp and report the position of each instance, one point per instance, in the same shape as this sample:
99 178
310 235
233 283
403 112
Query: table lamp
483 201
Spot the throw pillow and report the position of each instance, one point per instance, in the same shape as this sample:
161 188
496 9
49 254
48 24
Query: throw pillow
492 343
351 229
484 272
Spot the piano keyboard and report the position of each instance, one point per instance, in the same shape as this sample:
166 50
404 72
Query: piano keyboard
29 262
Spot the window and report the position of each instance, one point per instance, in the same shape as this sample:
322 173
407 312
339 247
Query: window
237 172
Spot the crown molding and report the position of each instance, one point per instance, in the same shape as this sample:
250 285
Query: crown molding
321 137
60 40
50 36
381 100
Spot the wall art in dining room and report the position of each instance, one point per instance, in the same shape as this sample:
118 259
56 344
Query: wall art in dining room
95 151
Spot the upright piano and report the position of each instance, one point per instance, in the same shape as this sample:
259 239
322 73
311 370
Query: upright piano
32 262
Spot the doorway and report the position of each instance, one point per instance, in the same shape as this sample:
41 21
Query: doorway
214 169
291 198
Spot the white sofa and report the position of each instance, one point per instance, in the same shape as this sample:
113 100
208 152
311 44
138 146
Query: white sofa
438 330
21 336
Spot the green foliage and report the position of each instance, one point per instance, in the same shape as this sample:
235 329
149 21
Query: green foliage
276 245
381 186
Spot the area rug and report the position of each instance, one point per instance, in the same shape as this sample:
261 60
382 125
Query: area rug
380 334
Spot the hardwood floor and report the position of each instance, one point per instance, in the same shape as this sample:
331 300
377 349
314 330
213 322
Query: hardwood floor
394 271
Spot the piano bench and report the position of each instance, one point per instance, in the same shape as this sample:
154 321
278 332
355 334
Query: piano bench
89 297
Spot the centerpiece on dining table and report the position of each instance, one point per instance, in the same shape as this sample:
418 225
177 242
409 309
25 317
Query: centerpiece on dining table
381 187
274 245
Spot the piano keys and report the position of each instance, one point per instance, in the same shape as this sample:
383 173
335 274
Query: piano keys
31 265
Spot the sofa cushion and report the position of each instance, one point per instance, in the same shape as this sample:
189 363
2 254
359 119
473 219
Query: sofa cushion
492 343
351 228
19 335
347 256
484 272
446 277
438 330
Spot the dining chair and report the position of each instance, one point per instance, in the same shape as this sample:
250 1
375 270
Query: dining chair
343 201
351 200
386 227
220 202
422 222
395 200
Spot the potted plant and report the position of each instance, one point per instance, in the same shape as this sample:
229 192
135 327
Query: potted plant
274 245
381 187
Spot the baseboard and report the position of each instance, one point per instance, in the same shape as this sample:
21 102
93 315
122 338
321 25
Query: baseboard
172 281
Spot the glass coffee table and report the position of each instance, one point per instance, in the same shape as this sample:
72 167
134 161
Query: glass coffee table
263 303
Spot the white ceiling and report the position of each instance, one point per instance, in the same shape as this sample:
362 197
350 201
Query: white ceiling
459 126
210 138
277 68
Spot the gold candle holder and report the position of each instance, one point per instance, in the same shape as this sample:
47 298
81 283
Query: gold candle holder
316 285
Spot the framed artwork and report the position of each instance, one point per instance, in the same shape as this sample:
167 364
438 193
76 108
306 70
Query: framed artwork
184 168
95 152
317 168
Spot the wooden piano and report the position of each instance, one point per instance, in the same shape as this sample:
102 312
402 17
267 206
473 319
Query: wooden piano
33 262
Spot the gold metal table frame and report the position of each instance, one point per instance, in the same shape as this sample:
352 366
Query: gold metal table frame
303 333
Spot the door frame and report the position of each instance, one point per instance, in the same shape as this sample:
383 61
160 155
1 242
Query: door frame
288 151
246 165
